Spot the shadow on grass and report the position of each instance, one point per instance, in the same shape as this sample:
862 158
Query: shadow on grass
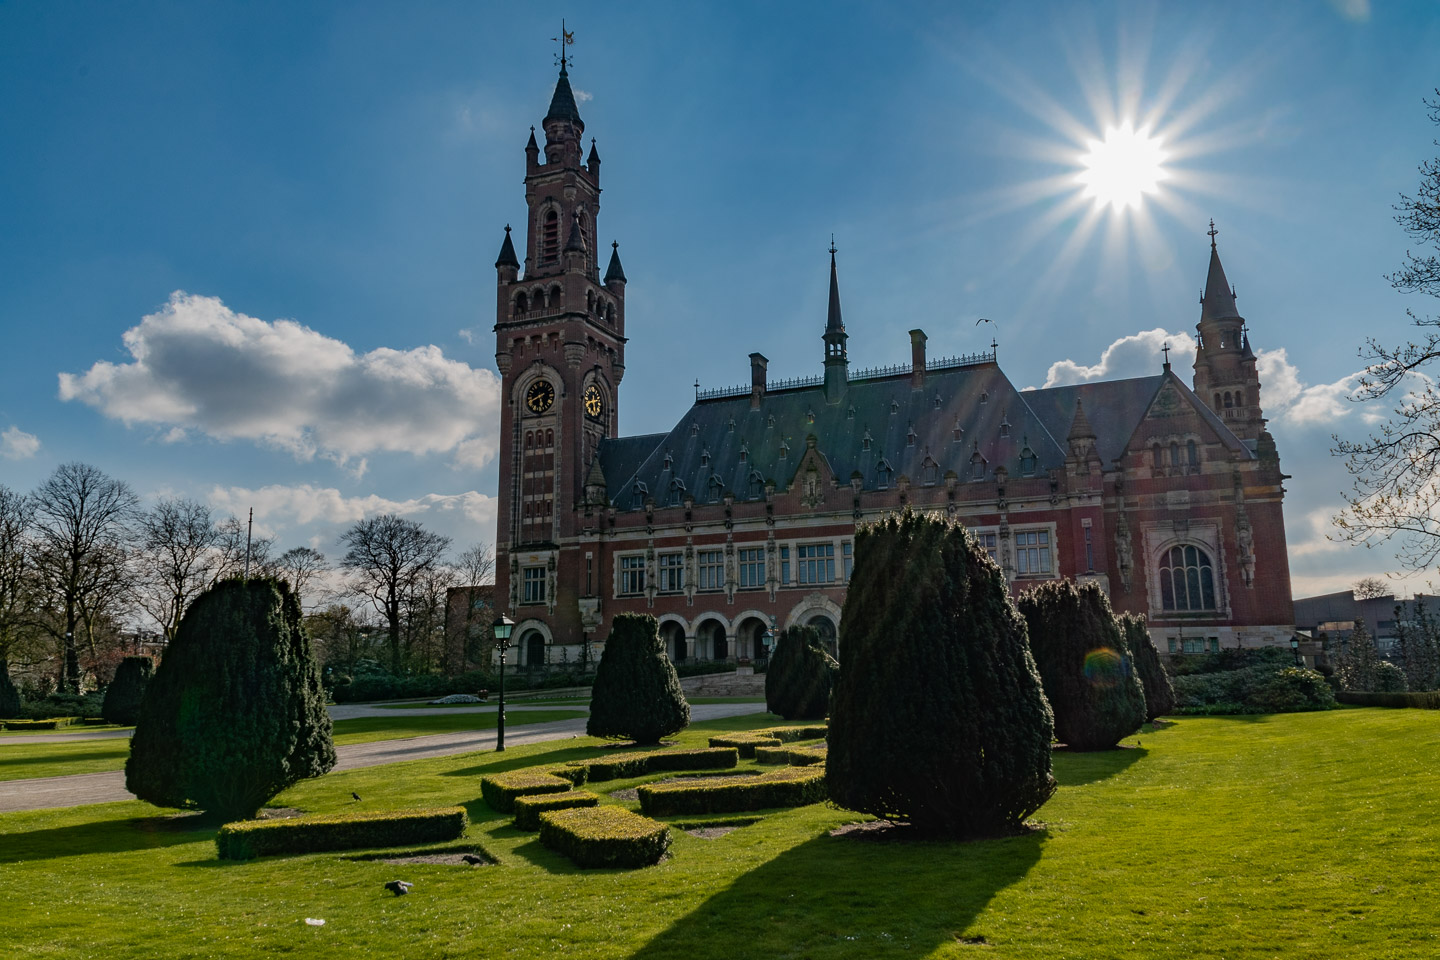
105 836
1076 768
851 896
64 757
500 763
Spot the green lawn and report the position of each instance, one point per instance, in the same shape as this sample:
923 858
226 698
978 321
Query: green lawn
77 728
1307 835
366 729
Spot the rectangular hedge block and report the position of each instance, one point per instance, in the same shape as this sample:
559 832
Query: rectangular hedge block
52 723
638 764
528 809
807 756
745 743
787 787
248 839
604 836
501 789
796 734
772 754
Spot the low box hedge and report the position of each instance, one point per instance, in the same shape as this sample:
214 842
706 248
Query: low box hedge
501 789
604 836
787 787
1423 700
53 723
248 839
529 808
807 756
628 765
772 754
796 734
745 743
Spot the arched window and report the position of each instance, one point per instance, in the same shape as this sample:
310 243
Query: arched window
555 297
1155 457
1187 579
1174 454
1229 400
1192 452
550 236
529 439
589 301
522 303
549 438
1217 401
929 472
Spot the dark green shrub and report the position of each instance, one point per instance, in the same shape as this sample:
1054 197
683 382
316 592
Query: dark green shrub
1231 658
1084 663
795 734
51 723
636 695
745 743
1386 677
123 696
604 836
528 809
339 831
1265 688
62 705
500 790
1427 700
1159 694
9 696
638 764
794 756
786 787
1289 690
938 717
235 712
797 682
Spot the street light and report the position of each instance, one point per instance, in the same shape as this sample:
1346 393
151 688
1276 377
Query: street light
501 629
1295 649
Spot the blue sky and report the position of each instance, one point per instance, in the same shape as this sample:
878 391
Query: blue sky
322 189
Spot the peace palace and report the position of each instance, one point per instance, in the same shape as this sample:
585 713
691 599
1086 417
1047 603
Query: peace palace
740 520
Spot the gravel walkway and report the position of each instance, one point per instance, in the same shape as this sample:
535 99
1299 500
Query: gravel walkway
108 787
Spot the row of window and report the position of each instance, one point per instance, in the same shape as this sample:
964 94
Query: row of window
1191 454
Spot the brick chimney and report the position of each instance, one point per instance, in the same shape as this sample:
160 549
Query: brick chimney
917 359
758 363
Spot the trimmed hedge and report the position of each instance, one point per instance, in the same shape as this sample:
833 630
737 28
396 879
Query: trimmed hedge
636 695
639 764
339 831
1159 694
604 836
121 705
795 734
500 790
529 808
787 787
1258 689
54 723
799 677
1425 700
794 756
745 743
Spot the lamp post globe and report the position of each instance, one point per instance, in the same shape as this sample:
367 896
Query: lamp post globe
501 628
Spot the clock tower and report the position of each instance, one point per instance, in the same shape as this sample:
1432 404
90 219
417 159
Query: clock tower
560 348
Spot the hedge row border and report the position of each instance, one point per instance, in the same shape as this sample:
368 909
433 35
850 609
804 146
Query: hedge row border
248 839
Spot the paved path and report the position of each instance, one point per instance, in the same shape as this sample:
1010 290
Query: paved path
108 787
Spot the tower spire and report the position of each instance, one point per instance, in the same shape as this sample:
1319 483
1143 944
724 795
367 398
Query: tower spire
837 362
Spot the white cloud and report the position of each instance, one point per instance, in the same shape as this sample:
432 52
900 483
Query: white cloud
1284 396
283 506
199 366
468 335
1356 10
16 444
1137 355
585 95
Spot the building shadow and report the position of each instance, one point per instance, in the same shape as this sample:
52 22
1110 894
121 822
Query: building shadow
54 758
1076 768
858 893
105 836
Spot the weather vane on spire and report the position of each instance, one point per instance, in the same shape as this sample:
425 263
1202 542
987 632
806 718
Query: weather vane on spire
832 244
1211 232
566 38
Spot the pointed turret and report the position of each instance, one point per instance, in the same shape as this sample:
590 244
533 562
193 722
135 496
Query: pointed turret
614 273
1219 300
1225 365
595 484
507 256
833 322
837 362
1245 352
576 241
1080 428
562 104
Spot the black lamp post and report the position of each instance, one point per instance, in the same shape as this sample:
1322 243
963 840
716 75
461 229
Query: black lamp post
1295 649
502 628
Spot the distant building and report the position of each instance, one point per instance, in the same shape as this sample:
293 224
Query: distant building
1335 614
740 520
469 612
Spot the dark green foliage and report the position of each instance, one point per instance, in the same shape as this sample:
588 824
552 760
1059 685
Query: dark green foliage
9 696
1426 700
938 717
528 809
604 836
123 696
638 764
1231 658
50 723
796 734
794 756
637 695
1084 663
339 831
797 682
1387 678
786 787
745 743
1159 695
235 712
1269 687
501 790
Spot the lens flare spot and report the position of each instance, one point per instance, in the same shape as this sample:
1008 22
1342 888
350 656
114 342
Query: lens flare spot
1123 168
1105 668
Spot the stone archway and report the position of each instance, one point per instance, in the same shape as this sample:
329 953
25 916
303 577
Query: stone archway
829 638
748 633
710 640
532 647
672 634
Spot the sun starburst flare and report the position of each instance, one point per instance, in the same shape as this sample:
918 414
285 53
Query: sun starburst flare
1123 168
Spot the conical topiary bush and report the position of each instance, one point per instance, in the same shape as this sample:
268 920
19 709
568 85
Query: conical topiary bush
938 717
235 713
1159 695
1085 664
122 698
797 682
637 694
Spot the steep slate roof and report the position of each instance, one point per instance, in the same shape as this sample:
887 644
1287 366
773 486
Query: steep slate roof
887 408
1219 301
621 457
562 104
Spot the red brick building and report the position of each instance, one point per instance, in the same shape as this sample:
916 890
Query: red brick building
741 518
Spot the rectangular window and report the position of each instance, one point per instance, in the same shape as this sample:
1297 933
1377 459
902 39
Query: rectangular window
752 568
816 562
991 544
632 574
1214 644
1089 552
784 566
671 572
1197 644
1172 644
848 560
710 569
533 579
1032 553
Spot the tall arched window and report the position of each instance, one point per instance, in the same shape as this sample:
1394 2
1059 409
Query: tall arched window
1187 579
1155 456
522 303
1229 400
550 236
1192 452
1174 454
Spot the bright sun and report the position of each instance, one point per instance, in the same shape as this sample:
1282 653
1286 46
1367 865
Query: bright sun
1121 169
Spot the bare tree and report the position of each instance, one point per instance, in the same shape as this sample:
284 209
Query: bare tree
474 568
236 546
1369 588
1396 491
301 565
17 580
388 556
82 519
180 556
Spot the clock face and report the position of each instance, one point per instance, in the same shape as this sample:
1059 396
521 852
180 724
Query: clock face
594 403
540 396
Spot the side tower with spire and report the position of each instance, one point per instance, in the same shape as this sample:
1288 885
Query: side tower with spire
1225 374
837 361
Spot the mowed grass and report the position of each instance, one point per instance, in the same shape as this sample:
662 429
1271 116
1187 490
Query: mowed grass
23 761
1305 835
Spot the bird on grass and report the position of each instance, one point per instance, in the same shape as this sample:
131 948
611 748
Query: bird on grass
354 795
399 887
473 860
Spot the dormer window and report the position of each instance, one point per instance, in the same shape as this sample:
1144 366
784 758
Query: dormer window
694 429
929 472
1027 462
1004 426
865 441
770 421
668 462
850 414
677 492
638 495
715 487
732 425
809 416
744 452
910 437
784 450
884 473
705 457
894 407
757 485
937 401
984 397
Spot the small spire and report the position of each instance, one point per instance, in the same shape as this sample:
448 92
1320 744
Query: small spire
1218 301
833 322
532 145
614 273
1211 233
1080 428
507 256
594 156
562 104
577 236
1245 352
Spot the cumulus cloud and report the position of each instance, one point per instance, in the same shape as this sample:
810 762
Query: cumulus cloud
300 505
1356 10
1138 355
16 444
198 366
583 95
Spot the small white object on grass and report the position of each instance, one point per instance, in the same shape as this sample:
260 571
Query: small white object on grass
311 921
